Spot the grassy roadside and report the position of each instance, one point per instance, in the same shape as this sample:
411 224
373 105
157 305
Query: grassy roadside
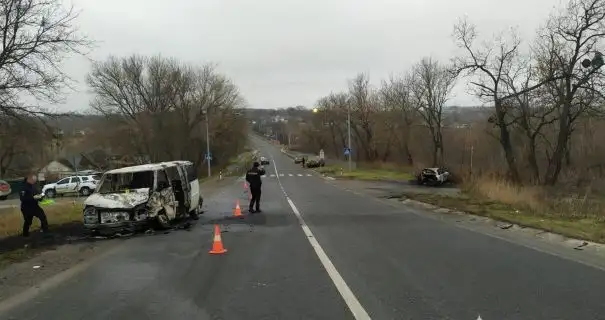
59 214
366 172
64 221
585 227
575 216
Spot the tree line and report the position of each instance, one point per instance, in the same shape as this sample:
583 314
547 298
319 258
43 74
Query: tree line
543 105
157 106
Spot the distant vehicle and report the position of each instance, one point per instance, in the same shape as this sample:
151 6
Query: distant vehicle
298 160
264 161
131 198
433 176
82 184
5 189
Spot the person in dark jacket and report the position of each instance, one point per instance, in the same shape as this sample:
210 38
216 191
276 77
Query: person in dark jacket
253 177
30 207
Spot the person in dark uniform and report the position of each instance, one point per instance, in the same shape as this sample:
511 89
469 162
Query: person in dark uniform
253 176
304 159
30 207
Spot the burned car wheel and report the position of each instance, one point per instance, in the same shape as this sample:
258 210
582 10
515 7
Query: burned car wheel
162 220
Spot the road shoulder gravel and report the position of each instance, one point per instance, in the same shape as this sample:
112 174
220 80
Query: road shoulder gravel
585 252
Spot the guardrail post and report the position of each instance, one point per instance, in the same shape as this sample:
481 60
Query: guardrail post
341 171
220 175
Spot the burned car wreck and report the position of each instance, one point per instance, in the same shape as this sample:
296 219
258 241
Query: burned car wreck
433 176
130 199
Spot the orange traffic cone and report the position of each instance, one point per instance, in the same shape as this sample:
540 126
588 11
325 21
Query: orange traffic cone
217 244
237 212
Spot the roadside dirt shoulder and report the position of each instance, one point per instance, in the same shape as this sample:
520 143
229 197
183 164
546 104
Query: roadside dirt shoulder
586 252
16 277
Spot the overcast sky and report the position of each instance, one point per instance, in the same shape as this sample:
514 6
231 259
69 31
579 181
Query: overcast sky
291 52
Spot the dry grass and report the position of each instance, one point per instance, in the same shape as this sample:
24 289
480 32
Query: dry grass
586 228
576 216
377 171
508 193
541 201
11 220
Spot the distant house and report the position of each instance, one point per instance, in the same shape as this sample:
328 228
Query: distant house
56 169
96 160
61 167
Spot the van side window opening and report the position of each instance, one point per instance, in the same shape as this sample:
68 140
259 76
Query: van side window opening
191 172
173 173
162 180
119 182
143 179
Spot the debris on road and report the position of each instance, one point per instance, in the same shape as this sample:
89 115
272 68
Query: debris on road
506 226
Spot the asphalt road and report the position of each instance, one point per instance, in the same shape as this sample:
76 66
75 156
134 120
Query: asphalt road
321 253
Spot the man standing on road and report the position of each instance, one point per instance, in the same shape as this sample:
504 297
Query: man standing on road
30 207
253 177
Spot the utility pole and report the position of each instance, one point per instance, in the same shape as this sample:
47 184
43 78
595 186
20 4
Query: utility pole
349 135
208 158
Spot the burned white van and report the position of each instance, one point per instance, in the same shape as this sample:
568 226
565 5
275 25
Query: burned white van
129 198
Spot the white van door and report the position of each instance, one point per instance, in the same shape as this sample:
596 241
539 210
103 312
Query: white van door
194 186
185 185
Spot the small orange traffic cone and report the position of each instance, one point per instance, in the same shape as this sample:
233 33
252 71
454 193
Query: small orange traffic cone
217 243
237 212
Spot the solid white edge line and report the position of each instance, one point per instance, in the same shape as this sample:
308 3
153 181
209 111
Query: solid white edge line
359 313
356 308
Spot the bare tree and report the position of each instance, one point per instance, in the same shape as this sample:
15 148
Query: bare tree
489 64
431 87
159 95
363 105
22 144
37 35
569 38
528 109
397 99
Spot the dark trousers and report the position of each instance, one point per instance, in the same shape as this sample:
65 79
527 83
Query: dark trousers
28 218
255 199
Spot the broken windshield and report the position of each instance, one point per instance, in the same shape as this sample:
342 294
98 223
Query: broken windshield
121 182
